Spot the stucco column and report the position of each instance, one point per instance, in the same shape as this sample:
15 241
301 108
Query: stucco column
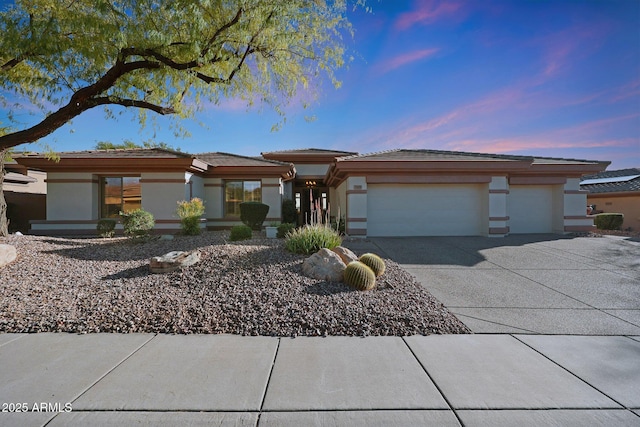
575 208
272 195
356 206
498 212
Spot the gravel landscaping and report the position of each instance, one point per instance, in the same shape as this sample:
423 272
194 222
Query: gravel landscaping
253 287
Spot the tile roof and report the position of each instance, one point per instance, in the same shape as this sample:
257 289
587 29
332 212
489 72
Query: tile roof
227 159
311 151
153 153
626 185
441 155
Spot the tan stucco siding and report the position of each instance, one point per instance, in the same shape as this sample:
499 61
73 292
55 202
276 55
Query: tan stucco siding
629 205
272 195
38 187
161 193
311 170
72 196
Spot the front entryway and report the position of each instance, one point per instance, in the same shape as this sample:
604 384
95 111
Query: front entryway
312 201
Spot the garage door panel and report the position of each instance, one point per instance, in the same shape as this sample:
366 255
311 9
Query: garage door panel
425 210
530 209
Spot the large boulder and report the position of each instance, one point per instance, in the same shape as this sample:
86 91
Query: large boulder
173 261
324 265
346 254
7 254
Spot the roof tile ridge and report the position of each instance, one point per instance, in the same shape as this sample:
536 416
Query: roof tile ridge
240 156
375 153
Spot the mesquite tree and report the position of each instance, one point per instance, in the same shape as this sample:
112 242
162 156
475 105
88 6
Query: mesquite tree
162 56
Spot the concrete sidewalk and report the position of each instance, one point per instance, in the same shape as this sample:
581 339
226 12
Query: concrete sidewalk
531 284
147 379
507 289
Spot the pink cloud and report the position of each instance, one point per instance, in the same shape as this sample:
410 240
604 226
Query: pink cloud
427 12
564 49
405 59
587 135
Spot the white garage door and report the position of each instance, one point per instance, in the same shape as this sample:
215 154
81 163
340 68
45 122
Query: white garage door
426 210
530 209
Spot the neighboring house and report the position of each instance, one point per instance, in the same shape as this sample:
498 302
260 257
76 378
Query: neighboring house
393 193
25 193
615 192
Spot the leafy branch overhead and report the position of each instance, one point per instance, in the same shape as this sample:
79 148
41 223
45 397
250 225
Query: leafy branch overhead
164 56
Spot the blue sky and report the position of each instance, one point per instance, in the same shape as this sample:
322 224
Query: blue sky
549 78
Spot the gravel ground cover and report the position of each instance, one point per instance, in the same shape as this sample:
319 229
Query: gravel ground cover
253 287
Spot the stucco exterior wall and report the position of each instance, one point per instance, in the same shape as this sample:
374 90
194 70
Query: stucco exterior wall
272 193
161 193
311 170
194 187
72 196
627 204
38 187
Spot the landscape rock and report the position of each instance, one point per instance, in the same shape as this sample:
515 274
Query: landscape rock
173 261
345 254
7 254
324 265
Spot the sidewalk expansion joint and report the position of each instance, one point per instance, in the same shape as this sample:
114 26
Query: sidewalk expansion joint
433 381
493 323
266 388
115 367
622 406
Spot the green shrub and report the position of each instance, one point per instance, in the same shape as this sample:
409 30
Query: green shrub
289 212
311 238
359 276
137 223
240 232
284 229
190 213
608 221
253 214
374 262
106 227
190 225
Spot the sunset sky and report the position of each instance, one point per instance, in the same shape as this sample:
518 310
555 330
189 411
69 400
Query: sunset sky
548 78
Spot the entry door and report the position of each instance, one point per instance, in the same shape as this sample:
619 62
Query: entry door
311 201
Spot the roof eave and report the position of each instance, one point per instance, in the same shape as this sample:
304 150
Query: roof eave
111 164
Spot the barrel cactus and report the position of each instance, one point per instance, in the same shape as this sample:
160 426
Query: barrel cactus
374 262
359 276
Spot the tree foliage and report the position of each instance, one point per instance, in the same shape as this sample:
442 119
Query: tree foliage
164 56
128 144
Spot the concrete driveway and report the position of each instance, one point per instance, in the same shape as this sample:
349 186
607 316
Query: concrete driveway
531 284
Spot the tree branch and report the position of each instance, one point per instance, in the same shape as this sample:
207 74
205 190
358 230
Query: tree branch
82 100
220 30
107 100
12 63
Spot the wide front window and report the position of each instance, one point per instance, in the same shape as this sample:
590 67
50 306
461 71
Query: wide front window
236 192
119 193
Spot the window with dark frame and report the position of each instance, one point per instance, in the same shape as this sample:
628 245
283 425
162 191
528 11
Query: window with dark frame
236 192
119 193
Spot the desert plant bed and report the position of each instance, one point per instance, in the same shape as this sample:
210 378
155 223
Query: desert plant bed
253 287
